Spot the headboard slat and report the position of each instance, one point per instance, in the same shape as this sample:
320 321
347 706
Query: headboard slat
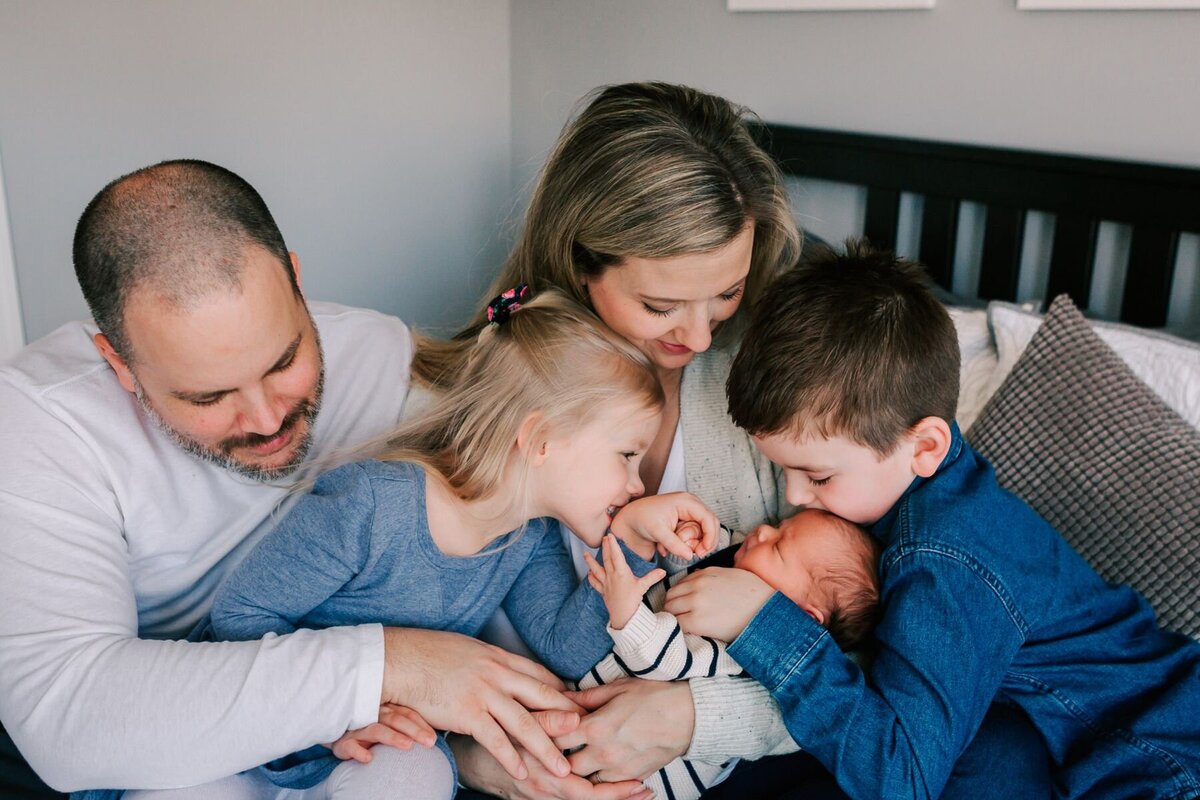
1072 258
939 233
1147 295
1000 267
883 217
1166 198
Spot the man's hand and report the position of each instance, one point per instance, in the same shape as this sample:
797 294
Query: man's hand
463 685
614 580
634 728
477 769
398 727
717 602
650 523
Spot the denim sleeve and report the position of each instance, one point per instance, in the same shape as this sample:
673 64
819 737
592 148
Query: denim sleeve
563 621
315 550
946 640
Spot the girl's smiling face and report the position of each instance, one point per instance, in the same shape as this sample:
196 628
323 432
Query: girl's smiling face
590 473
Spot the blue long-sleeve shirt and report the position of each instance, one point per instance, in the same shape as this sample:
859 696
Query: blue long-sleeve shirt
983 601
358 549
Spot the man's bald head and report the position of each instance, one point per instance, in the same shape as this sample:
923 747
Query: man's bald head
179 229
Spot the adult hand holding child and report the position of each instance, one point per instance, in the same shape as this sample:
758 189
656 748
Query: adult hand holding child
461 684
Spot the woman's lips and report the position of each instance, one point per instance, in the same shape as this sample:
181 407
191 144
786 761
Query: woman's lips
674 349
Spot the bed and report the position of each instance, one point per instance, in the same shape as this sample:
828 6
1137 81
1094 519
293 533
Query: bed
1090 411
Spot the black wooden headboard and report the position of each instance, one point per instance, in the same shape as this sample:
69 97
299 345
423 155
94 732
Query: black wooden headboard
1158 203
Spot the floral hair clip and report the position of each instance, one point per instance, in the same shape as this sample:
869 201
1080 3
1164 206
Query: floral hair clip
500 309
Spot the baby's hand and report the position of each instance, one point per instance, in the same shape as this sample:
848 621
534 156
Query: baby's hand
614 580
658 522
398 727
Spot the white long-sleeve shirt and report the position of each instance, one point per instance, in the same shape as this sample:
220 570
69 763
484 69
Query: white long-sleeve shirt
113 540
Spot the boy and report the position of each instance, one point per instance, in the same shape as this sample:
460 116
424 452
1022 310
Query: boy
848 380
825 565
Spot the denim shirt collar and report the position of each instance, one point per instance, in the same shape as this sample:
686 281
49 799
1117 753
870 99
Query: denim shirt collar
952 455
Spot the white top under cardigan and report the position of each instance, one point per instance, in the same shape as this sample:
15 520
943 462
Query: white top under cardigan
113 539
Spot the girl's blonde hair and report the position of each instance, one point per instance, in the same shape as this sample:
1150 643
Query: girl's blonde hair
552 359
649 170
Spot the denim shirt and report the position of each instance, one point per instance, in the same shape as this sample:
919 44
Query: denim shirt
984 601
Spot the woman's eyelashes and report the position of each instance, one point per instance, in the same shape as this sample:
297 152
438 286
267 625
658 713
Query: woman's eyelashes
727 297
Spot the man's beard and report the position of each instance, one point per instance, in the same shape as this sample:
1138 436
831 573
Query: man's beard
222 455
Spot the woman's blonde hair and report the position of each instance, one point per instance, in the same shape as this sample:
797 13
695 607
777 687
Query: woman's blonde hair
552 359
649 170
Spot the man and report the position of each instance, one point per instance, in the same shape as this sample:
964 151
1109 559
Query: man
144 455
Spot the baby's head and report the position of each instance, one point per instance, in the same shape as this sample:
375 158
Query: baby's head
848 379
825 565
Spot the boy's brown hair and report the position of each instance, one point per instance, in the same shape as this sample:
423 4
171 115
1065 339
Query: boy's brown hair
852 345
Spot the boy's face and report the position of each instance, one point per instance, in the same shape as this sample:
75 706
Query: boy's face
839 475
789 558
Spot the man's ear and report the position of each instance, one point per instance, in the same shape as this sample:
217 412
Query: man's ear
295 259
109 354
930 442
531 439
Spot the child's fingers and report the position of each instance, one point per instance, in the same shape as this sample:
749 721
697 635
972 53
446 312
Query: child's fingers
595 582
595 571
675 545
692 508
614 557
350 749
403 720
649 579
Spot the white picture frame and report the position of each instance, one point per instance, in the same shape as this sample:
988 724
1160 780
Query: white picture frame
12 333
826 5
1107 5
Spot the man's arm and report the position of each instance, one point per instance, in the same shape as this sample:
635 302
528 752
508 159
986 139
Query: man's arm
91 705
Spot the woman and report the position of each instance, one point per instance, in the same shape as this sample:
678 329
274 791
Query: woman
658 210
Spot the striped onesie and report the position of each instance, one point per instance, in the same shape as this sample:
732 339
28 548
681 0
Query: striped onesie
652 646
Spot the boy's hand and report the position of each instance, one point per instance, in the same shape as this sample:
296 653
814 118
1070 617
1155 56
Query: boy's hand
717 602
398 727
615 581
651 523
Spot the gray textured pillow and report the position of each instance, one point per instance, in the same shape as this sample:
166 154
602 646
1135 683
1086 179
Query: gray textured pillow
1074 433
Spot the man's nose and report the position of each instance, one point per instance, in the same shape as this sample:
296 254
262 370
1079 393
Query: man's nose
262 413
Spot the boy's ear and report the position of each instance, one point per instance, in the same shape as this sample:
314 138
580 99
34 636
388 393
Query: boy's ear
930 442
109 353
531 440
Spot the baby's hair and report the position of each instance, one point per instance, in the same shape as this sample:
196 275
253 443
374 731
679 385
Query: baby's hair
553 359
852 584
851 344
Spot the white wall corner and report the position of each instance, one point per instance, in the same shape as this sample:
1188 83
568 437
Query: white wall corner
12 334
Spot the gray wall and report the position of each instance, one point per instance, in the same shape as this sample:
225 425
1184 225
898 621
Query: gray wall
1109 84
395 140
378 132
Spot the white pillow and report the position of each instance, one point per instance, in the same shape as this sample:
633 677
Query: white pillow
1167 364
978 362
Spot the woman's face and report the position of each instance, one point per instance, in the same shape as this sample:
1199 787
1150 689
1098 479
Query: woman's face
668 307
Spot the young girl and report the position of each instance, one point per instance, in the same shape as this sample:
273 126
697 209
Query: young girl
458 516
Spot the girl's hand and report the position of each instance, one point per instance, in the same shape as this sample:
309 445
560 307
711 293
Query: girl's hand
614 580
717 602
650 523
398 727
